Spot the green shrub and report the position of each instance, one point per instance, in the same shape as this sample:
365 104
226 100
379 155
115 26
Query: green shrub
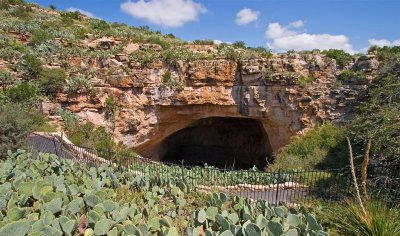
87 135
168 81
351 76
110 107
160 41
24 92
228 52
39 37
380 220
203 42
342 58
69 118
173 55
263 52
51 80
239 44
67 18
21 11
52 7
30 67
79 85
99 25
323 146
16 123
145 57
6 79
305 80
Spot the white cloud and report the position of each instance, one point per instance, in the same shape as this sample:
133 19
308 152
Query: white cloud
384 42
217 42
297 24
86 13
290 37
246 16
169 13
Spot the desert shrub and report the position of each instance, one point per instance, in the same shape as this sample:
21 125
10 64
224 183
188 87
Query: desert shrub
342 58
168 81
306 79
25 92
228 52
80 33
79 85
39 37
14 127
263 52
110 107
68 117
52 7
239 44
6 79
29 66
10 49
323 146
87 135
51 80
21 11
348 76
203 42
99 25
160 41
172 56
145 57
16 123
67 18
380 220
170 35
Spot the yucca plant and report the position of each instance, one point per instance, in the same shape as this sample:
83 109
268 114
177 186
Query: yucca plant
380 220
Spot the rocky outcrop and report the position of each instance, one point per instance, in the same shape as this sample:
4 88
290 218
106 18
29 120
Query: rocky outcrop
286 94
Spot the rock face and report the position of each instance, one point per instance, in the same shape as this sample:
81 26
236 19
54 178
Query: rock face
285 95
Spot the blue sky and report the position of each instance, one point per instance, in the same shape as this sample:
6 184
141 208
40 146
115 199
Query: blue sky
281 25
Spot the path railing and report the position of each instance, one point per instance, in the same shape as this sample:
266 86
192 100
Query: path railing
281 186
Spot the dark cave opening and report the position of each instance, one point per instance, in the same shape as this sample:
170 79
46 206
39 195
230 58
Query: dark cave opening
222 142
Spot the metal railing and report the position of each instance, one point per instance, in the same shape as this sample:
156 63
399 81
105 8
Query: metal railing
290 187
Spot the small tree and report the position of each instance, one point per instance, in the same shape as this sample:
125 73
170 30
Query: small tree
24 92
30 67
51 80
39 37
239 44
342 58
16 123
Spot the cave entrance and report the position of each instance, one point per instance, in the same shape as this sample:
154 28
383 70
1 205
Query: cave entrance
223 142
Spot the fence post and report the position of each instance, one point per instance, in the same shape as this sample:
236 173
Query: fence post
183 173
55 146
277 187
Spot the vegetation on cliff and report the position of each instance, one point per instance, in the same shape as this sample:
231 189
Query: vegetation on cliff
377 118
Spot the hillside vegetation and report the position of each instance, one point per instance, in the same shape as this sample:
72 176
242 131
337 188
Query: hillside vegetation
377 118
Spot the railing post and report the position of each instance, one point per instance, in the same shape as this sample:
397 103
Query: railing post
277 187
182 170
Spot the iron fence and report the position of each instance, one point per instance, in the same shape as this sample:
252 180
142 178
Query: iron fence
291 187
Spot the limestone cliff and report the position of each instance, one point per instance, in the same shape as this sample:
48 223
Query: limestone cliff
286 93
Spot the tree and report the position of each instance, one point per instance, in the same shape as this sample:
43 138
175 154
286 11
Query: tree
51 80
239 44
342 58
15 125
30 67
